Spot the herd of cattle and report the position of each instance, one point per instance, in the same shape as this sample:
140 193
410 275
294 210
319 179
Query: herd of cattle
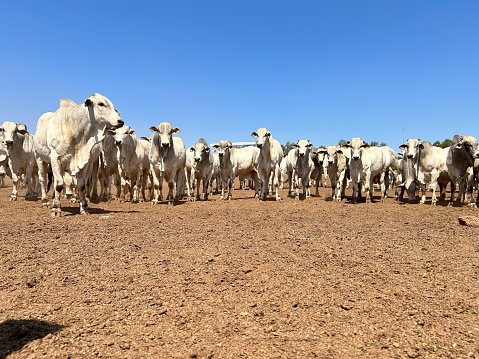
80 144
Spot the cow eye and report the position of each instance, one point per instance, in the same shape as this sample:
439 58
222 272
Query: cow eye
101 104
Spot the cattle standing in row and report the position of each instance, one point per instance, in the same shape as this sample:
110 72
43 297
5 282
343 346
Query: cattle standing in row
236 162
303 167
462 154
269 160
201 168
21 158
337 170
68 139
429 164
134 164
167 160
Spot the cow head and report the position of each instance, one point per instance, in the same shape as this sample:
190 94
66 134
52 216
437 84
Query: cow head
411 147
356 145
122 135
165 133
223 148
102 111
332 153
466 144
200 150
303 148
262 137
10 131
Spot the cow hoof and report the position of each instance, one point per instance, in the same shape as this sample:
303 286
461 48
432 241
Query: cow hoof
278 199
84 212
451 204
13 198
296 198
56 212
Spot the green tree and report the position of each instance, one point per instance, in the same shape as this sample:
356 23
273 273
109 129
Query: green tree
444 144
374 143
341 142
287 147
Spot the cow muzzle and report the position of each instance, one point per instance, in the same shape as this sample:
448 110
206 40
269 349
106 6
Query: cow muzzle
8 142
165 144
259 145
197 159
355 157
410 156
118 143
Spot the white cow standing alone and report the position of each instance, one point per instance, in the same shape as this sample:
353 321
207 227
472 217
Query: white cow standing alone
68 139
21 158
167 160
133 161
269 161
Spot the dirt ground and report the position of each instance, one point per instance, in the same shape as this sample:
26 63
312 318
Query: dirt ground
238 279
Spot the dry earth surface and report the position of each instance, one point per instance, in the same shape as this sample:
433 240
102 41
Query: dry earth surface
238 279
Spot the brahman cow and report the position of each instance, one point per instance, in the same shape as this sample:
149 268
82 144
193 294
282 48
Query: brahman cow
269 161
167 160
21 158
69 139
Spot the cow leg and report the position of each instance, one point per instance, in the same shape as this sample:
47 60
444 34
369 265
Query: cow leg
453 190
423 193
171 186
81 188
156 186
277 173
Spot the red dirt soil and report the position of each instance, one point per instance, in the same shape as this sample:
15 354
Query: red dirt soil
238 279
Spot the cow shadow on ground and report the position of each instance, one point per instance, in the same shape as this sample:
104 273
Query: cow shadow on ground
16 333
92 210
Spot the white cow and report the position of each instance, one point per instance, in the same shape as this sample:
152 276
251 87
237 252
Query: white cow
236 162
4 168
429 163
134 164
21 158
68 139
167 160
303 167
464 151
202 168
320 169
109 170
269 161
366 164
337 169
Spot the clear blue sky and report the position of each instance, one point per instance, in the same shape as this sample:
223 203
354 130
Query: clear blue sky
317 70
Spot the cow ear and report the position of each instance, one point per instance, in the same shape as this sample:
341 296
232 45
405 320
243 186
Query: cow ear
192 149
131 132
207 149
88 103
421 146
254 134
403 146
294 145
145 138
111 131
154 129
176 130
309 145
216 146
339 151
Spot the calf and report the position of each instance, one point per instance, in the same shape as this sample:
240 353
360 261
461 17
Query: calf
303 167
337 168
202 167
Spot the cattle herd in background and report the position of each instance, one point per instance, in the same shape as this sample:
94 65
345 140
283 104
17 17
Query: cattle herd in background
79 145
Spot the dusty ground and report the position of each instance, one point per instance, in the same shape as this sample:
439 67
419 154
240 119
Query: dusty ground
238 279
